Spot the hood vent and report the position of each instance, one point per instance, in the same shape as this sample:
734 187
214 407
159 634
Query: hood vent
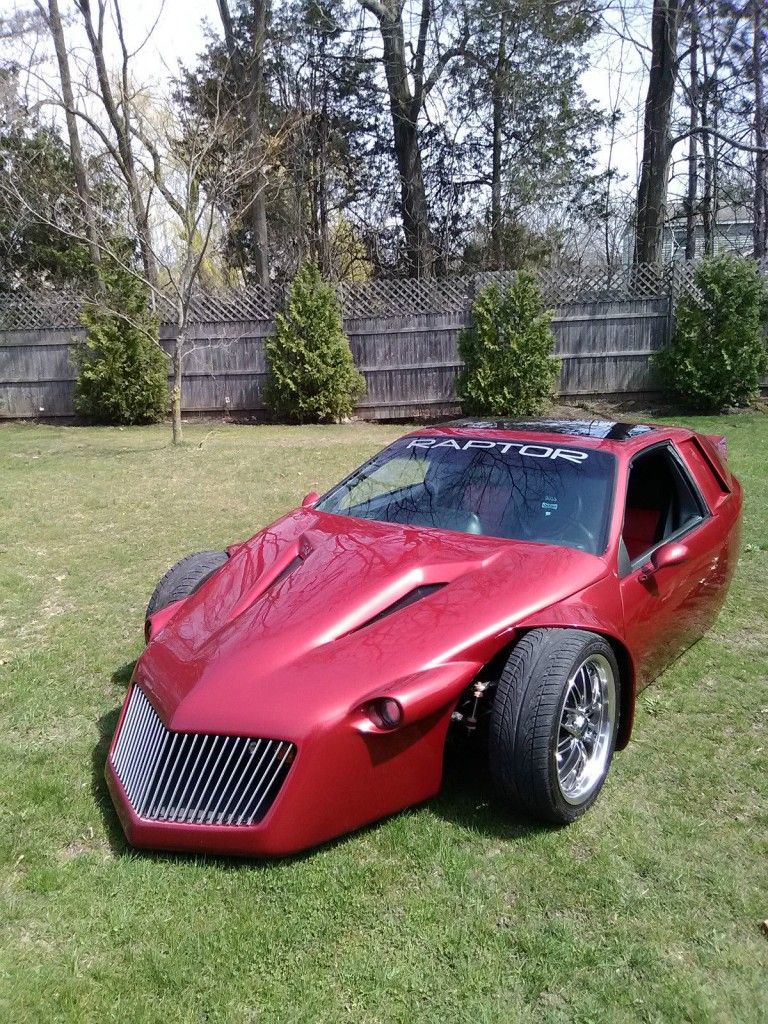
417 594
258 590
286 570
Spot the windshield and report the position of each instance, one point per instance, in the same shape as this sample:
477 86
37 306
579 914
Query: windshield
511 489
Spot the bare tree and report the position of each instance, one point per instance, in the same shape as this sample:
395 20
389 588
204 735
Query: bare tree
118 107
192 166
248 70
657 142
52 19
693 149
186 169
760 198
409 85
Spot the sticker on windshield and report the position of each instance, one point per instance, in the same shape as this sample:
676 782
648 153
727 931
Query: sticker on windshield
550 505
534 451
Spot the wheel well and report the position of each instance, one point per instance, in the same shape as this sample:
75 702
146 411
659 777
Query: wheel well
626 691
495 666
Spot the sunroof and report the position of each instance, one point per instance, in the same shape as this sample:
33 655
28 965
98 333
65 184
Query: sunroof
608 430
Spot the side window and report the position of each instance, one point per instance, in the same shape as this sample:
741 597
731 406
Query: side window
661 502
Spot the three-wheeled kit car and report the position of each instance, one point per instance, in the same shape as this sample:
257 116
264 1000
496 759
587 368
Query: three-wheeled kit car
528 576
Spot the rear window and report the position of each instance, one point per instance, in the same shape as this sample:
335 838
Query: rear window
550 494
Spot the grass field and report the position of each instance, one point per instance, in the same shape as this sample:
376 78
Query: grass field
649 909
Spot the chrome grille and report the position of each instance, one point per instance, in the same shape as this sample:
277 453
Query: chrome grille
195 778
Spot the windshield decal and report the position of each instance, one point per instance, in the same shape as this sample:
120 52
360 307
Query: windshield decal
534 451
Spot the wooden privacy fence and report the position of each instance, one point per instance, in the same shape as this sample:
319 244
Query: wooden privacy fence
403 335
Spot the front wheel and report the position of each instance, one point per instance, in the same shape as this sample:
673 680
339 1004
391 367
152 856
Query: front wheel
554 722
184 578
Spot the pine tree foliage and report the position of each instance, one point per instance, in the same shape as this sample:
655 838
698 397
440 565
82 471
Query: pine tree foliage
718 355
312 377
122 371
509 369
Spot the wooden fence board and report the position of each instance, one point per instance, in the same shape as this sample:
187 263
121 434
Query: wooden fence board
410 361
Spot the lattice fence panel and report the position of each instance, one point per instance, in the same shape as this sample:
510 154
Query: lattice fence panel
29 311
402 297
254 303
39 311
603 284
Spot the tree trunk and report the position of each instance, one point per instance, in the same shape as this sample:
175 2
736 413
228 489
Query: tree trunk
652 190
256 122
178 352
119 118
693 146
249 75
707 198
78 164
322 168
760 201
497 247
420 255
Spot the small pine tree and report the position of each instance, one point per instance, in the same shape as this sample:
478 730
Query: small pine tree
122 371
509 369
312 377
718 354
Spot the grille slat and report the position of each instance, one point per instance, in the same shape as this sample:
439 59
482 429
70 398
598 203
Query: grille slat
199 778
268 786
245 796
143 722
235 796
185 780
164 776
193 796
210 785
236 770
146 773
220 786
127 737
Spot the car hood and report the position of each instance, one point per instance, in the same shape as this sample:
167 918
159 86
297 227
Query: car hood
300 614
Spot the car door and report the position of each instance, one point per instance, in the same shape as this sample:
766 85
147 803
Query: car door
666 610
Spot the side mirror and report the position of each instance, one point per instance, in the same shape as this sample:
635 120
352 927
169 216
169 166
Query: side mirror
663 558
309 499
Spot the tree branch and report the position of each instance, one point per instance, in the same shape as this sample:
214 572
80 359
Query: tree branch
376 8
745 147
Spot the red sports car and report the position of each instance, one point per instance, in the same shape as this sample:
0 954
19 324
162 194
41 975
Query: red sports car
519 580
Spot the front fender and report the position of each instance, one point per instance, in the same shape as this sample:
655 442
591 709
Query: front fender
598 610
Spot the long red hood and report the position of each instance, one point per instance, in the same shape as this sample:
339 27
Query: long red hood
283 631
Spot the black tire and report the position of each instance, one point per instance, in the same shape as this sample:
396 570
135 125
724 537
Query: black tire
526 722
184 578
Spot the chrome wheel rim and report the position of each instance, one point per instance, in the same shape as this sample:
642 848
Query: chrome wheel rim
585 732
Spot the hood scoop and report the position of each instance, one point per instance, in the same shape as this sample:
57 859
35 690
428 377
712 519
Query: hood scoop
417 594
285 571
262 587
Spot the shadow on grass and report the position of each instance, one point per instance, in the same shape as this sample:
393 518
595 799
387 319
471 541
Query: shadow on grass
122 676
106 726
99 791
466 799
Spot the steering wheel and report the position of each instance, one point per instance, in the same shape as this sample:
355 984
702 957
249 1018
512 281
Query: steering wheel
565 527
570 529
462 522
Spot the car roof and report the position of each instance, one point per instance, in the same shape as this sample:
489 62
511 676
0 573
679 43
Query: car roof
612 435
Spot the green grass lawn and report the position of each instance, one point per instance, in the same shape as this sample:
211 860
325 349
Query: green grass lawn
648 909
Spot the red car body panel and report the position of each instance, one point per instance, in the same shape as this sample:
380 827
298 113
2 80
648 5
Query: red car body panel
279 643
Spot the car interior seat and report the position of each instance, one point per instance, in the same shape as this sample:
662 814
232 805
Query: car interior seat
652 503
